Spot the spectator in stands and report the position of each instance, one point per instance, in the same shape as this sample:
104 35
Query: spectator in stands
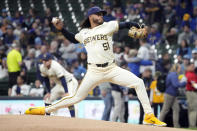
38 45
169 20
119 107
9 37
186 20
195 44
4 15
37 89
194 56
118 54
193 23
4 25
105 89
182 7
77 70
3 68
29 60
108 8
119 14
18 17
154 37
170 96
17 31
187 35
46 27
23 39
23 72
32 15
163 64
20 89
33 33
68 51
14 62
154 11
82 58
191 94
172 36
54 49
185 63
142 13
48 15
179 59
132 15
184 49
156 97
143 53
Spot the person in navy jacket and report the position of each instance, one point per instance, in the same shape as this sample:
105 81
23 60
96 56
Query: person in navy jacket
171 92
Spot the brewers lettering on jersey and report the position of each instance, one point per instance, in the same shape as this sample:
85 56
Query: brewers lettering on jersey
96 35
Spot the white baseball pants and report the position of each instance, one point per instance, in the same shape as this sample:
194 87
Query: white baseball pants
95 76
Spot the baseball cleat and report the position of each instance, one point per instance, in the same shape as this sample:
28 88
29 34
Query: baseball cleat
150 119
35 111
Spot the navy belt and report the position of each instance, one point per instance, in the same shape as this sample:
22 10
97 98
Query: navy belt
102 65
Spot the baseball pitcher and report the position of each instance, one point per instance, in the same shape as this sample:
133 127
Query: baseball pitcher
96 36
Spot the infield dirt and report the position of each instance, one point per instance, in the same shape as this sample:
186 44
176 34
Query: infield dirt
57 123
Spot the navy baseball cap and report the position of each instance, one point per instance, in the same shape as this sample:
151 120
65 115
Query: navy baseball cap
91 11
95 10
47 57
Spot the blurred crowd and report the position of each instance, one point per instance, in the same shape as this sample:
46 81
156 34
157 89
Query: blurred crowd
172 26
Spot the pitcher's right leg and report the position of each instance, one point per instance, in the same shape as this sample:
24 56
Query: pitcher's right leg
89 82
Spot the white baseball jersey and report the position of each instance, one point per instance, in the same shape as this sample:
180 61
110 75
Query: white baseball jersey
55 72
98 42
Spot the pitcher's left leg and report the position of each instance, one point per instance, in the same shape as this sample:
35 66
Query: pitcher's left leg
125 78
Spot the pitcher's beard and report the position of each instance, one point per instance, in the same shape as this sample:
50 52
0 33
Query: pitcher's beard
96 21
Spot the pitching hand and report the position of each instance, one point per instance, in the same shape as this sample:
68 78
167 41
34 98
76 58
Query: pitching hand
57 23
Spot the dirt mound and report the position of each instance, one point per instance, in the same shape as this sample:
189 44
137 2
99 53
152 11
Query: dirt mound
56 123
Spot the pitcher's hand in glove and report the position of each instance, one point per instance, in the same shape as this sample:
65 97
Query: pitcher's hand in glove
138 33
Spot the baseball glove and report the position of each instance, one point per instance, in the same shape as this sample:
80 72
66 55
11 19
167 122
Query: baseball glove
138 33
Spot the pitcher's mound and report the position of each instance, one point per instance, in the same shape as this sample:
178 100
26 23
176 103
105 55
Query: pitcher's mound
56 123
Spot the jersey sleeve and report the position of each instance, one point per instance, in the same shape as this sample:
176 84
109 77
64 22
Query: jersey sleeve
59 70
112 26
79 37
